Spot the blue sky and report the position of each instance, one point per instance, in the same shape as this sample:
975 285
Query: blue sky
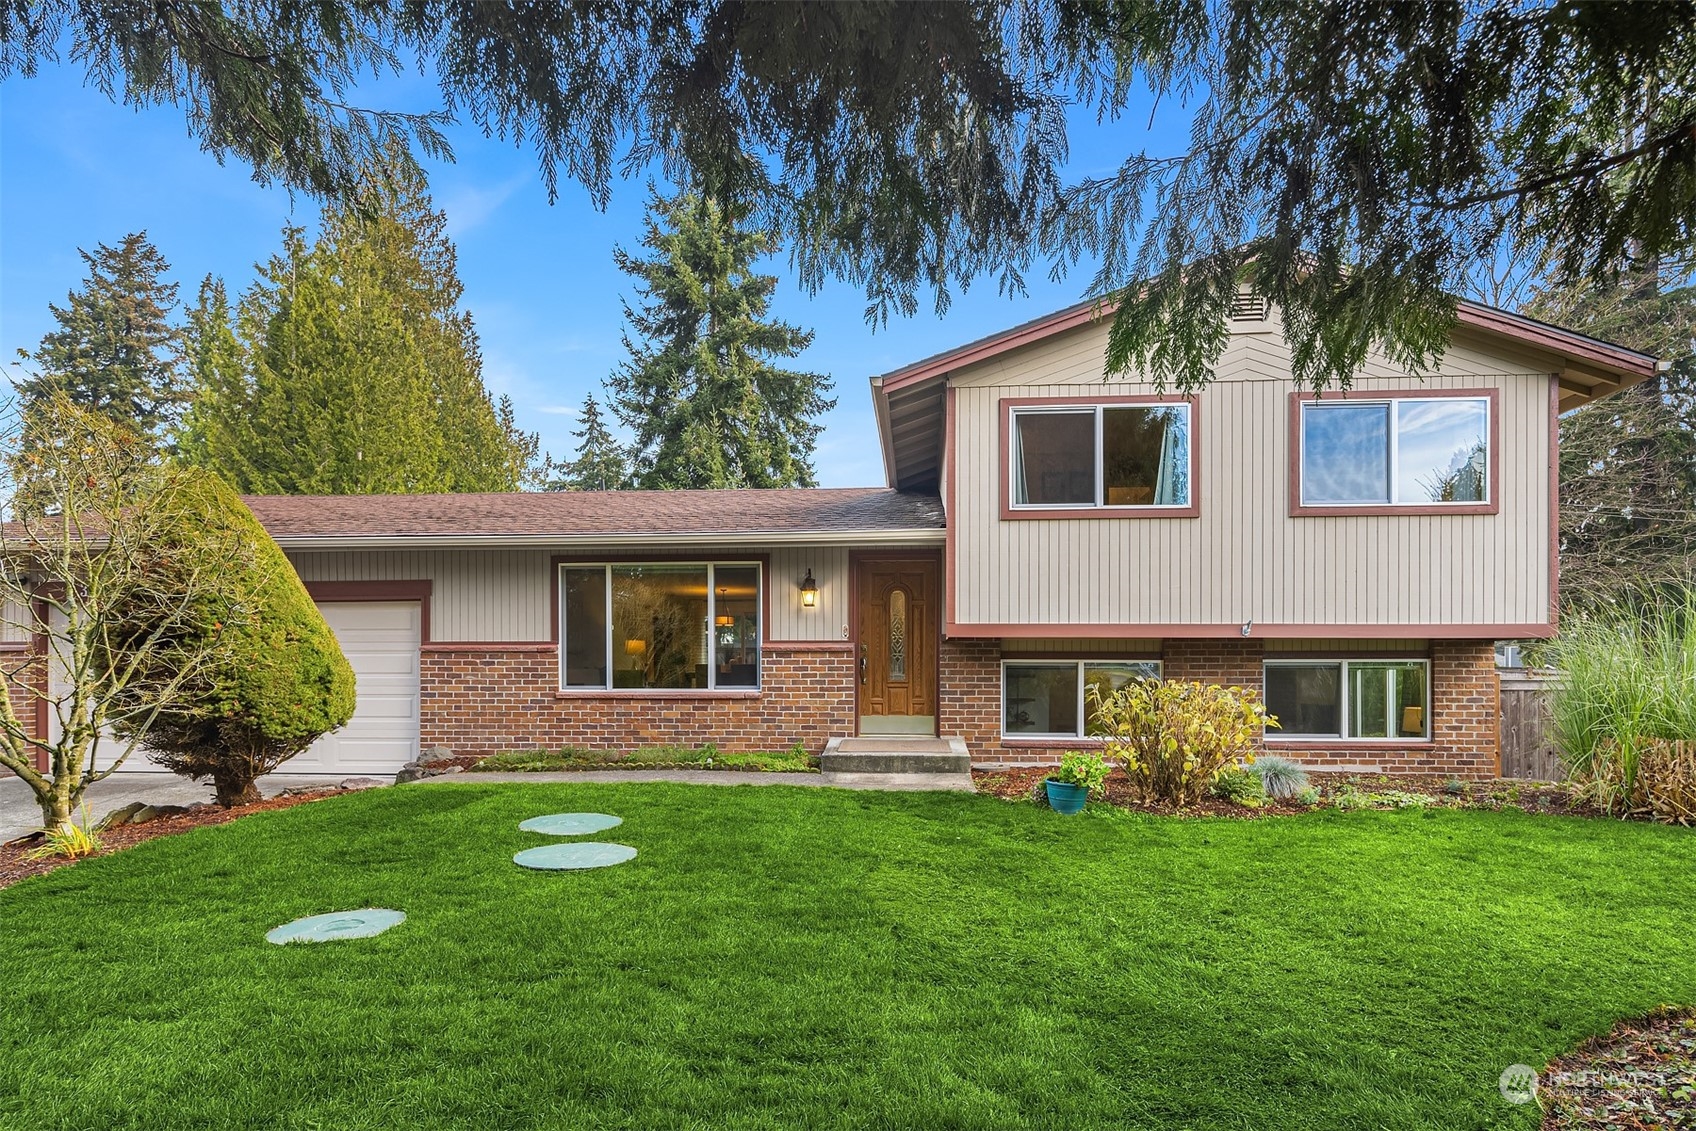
76 169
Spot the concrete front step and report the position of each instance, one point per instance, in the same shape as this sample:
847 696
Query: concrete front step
894 754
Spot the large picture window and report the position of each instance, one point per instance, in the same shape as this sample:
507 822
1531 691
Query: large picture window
1048 698
1101 456
1365 699
1404 451
660 627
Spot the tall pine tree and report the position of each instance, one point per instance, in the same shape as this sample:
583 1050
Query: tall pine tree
349 368
1628 461
115 350
701 394
601 463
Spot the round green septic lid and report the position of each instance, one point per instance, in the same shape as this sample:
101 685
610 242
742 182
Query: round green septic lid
579 854
571 824
336 925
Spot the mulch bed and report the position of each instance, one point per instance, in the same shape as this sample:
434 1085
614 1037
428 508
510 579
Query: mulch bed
1385 791
15 865
1640 1077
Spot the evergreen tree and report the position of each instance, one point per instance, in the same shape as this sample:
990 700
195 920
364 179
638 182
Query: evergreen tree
1628 461
700 393
115 350
348 367
1356 162
601 463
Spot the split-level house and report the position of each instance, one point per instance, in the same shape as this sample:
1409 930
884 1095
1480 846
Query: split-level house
1045 529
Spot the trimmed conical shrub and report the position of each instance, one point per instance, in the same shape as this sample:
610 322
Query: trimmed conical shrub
277 679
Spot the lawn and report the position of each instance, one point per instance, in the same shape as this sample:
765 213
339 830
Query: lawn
785 957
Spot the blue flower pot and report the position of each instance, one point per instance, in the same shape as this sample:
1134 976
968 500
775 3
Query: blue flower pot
1063 797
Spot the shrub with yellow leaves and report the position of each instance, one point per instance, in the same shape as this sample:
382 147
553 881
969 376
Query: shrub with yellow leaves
1174 737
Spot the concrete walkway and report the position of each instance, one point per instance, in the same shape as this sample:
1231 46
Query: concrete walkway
960 782
19 813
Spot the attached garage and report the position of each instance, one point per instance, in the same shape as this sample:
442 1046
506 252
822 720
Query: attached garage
380 639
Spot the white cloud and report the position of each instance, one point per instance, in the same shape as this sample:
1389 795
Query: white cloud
469 206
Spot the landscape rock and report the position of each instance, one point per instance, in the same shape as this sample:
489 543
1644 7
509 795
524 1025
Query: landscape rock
119 816
415 771
362 783
156 812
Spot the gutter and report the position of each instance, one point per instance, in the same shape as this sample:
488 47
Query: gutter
885 433
916 537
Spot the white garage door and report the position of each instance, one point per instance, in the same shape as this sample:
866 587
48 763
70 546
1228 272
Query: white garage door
380 640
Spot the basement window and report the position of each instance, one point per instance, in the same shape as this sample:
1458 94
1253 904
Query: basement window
1349 699
1048 698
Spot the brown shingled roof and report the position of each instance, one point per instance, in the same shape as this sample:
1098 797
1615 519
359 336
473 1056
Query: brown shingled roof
575 514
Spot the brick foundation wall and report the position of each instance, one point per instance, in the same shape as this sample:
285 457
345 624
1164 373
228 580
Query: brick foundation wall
1465 708
25 674
480 702
969 697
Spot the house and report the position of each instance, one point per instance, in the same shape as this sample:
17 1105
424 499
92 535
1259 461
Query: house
1356 556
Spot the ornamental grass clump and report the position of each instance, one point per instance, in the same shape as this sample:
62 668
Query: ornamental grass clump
72 841
1280 777
1173 738
1624 709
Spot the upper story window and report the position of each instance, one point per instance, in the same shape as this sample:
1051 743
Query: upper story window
1396 453
1071 456
662 627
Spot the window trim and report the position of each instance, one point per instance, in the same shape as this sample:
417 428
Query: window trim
1493 485
1011 406
1277 736
1050 738
712 690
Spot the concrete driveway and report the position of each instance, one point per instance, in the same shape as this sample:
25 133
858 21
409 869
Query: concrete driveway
19 813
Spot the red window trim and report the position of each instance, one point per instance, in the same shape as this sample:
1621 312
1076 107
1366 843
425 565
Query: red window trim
1298 509
1010 513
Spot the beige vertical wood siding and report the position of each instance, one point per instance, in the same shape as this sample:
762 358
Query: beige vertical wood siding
1245 558
16 622
506 594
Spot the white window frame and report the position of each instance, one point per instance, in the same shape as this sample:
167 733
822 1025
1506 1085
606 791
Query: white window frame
712 611
1100 503
1079 665
1394 454
1344 716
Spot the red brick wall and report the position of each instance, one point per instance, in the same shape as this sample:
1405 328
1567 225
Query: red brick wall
1232 662
477 702
1464 708
969 697
24 673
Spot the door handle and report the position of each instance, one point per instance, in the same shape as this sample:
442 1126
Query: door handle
862 663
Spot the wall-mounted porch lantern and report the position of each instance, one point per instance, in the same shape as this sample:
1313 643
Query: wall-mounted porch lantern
809 591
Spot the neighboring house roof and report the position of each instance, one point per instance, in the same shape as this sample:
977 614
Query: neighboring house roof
909 400
851 515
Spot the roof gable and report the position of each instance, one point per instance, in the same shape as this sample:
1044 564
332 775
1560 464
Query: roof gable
909 400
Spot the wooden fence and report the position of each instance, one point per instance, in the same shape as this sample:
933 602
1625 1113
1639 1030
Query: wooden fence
1528 736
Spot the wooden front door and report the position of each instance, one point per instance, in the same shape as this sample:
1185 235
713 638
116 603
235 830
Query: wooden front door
897 645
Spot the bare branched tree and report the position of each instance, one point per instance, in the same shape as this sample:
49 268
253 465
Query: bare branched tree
107 597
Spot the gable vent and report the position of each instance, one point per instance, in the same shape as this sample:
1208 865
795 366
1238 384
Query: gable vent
1248 307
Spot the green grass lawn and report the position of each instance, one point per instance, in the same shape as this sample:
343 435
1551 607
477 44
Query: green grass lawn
787 957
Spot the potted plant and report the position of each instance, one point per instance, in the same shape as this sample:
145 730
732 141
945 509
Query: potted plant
1081 773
